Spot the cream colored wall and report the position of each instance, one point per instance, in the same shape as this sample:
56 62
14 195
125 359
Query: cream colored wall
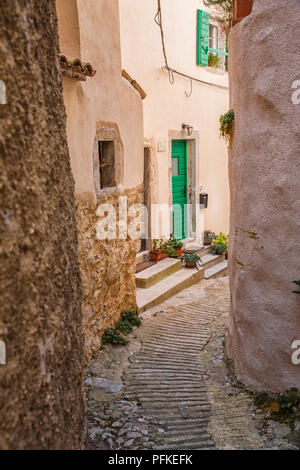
106 97
166 106
103 102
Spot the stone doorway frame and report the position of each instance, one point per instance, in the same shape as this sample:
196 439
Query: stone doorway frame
148 189
193 163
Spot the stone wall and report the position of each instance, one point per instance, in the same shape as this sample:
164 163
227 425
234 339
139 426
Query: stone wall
41 398
265 204
107 270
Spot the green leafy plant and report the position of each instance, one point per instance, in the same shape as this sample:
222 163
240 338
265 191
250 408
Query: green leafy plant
284 407
170 251
113 336
174 243
226 124
290 400
297 284
158 244
214 61
220 244
132 317
191 258
155 243
170 247
129 319
124 327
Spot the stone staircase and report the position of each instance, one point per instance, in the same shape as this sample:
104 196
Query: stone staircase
168 277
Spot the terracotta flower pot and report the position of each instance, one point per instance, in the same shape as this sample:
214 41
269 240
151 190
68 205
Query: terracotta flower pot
157 255
179 252
190 265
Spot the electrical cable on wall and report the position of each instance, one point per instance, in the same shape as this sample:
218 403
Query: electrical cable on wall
158 21
171 71
189 94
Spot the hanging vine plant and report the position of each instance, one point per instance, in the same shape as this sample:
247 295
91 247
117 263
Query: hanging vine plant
226 124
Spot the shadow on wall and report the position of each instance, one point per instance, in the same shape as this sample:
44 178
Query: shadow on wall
241 9
68 28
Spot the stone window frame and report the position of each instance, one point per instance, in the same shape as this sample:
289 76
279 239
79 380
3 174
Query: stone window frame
107 131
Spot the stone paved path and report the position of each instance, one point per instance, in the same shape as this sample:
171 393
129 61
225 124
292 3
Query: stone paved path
167 374
169 389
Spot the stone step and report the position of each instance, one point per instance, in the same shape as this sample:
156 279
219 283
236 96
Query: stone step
200 250
157 272
142 256
209 260
217 270
187 242
163 290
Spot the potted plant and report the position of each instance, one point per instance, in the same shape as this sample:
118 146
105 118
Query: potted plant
191 260
214 61
170 252
157 254
227 125
209 236
220 244
177 245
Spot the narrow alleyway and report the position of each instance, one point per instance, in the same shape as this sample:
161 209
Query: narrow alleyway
170 388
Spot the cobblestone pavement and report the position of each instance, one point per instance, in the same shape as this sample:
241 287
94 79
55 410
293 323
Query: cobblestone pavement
170 387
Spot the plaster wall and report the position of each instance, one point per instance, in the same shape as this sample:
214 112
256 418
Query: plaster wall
265 196
107 97
103 107
167 106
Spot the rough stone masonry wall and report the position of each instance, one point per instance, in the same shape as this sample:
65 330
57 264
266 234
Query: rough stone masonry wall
265 195
41 399
107 270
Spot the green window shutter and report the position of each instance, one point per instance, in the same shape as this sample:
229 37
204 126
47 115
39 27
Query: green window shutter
202 37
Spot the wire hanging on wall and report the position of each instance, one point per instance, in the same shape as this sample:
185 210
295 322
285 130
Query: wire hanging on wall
158 21
188 95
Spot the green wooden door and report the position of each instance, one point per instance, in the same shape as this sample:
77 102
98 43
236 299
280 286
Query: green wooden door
179 187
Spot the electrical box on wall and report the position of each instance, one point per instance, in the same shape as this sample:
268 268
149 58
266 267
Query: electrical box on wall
204 200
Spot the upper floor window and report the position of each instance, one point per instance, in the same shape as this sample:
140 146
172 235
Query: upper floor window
108 157
106 154
213 37
208 42
104 164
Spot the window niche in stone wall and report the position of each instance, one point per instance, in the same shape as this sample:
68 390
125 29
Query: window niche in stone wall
106 152
107 158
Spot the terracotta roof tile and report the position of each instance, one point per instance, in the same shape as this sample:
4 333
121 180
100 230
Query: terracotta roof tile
74 68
